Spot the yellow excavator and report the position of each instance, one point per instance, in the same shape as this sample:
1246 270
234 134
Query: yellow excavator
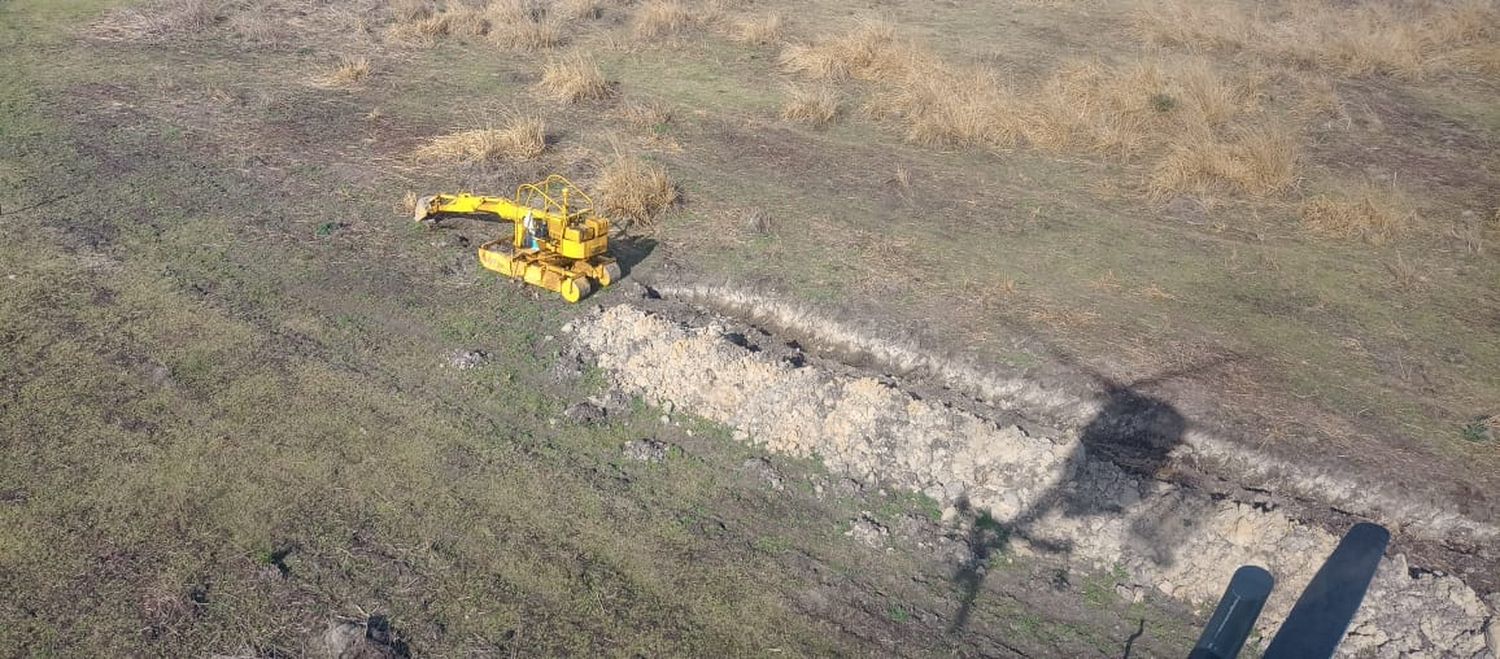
559 243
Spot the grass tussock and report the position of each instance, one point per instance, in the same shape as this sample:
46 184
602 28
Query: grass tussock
349 72
574 78
868 52
657 19
645 114
161 20
521 138
515 24
810 105
1374 214
520 25
635 191
527 36
1258 161
579 10
419 23
760 29
1403 39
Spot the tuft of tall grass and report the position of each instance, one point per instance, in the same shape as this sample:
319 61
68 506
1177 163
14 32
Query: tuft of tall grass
521 138
635 191
573 78
1375 214
810 105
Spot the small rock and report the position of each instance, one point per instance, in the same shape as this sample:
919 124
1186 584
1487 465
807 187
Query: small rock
848 487
646 450
868 531
612 401
464 360
371 640
762 468
950 514
585 413
664 419
341 637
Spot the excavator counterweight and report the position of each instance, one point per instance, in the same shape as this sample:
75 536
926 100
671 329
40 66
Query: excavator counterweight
558 242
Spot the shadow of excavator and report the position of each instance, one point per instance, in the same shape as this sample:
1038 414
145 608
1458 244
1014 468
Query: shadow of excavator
1134 431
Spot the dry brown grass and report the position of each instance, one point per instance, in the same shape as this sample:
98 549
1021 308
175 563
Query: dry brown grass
1206 130
1375 214
521 138
160 20
1259 161
527 35
869 52
758 221
810 105
662 18
573 78
519 24
1405 39
644 114
409 11
579 10
349 72
635 191
418 23
759 29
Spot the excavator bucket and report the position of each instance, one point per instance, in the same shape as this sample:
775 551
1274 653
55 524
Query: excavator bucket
423 210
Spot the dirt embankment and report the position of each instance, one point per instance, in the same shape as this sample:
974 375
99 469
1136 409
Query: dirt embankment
1082 492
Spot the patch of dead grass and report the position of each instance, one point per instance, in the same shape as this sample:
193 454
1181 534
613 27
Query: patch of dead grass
520 25
1140 107
160 20
635 191
350 71
574 78
760 29
1405 39
418 24
644 114
1375 214
656 19
810 105
1260 160
868 52
579 10
521 138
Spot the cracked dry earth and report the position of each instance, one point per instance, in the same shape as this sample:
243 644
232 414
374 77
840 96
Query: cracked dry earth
1054 489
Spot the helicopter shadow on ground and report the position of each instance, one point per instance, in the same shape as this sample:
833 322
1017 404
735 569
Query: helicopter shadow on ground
1132 430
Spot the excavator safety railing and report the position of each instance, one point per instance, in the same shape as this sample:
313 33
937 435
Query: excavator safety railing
554 194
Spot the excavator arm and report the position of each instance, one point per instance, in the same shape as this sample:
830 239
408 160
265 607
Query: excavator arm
433 206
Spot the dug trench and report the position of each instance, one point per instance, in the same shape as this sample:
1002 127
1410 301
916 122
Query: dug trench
1131 487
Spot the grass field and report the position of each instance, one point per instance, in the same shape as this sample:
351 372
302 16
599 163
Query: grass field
228 416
